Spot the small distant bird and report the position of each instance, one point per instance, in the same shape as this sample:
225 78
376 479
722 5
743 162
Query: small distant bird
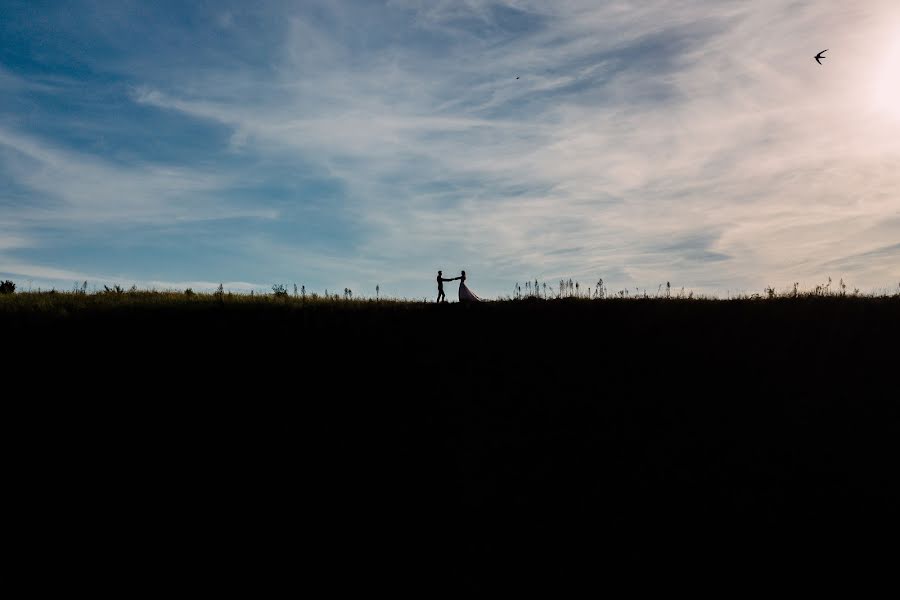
517 77
819 56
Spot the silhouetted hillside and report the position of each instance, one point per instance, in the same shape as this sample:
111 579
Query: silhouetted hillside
387 442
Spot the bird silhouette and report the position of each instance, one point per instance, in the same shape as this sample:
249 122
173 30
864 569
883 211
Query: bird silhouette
819 56
516 77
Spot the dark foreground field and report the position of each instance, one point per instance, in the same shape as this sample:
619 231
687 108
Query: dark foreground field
515 444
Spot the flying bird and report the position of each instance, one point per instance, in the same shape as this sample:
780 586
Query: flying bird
516 77
819 56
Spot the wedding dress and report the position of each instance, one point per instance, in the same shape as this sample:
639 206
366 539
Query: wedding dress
465 294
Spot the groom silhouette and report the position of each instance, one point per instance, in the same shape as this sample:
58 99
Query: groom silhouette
440 281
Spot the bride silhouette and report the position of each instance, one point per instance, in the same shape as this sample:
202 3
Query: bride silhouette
465 294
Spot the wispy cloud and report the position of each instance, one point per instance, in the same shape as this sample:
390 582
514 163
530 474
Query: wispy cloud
692 142
73 186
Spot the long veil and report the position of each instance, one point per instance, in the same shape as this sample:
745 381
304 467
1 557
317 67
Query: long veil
467 295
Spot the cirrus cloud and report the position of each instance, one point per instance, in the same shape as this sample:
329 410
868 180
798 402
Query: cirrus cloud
354 144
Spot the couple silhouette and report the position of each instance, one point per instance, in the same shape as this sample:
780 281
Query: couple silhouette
465 294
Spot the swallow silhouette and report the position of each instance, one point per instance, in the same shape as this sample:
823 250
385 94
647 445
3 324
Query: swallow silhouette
819 56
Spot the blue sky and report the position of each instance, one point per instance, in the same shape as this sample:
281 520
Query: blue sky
353 144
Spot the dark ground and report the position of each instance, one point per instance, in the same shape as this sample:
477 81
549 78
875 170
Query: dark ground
457 447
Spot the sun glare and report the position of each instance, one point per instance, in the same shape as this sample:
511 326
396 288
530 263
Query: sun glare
887 85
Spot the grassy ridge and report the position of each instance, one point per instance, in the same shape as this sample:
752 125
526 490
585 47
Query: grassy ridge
49 301
564 434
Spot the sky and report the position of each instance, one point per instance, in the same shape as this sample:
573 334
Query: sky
349 144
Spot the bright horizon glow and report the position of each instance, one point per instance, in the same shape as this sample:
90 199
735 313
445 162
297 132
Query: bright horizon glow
349 144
